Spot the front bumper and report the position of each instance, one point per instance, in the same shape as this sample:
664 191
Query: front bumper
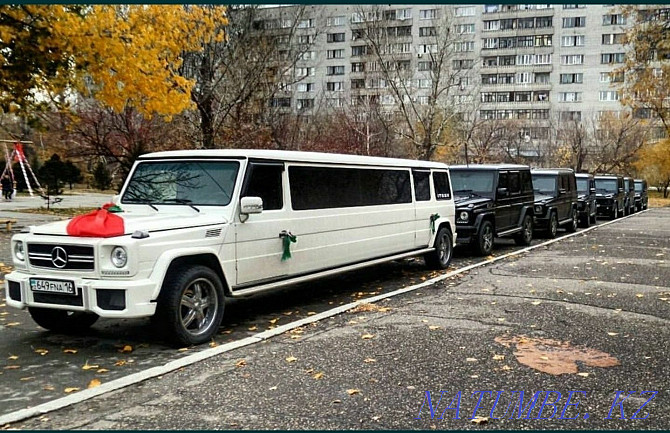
605 208
465 234
106 298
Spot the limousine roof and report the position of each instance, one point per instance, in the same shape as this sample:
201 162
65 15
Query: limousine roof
585 175
607 176
551 170
489 167
293 156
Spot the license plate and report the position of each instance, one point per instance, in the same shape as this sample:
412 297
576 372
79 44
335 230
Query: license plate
53 286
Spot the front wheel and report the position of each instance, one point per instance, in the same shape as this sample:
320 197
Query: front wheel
444 250
67 322
525 237
615 213
190 306
553 226
572 227
484 242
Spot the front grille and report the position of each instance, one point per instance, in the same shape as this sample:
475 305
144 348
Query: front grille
58 299
76 257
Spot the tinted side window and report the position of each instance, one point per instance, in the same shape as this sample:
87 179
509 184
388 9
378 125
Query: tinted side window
442 189
329 187
526 182
514 182
265 181
421 185
502 180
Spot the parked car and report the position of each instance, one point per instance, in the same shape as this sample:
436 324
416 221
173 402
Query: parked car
199 226
610 195
629 189
586 199
555 200
492 201
641 195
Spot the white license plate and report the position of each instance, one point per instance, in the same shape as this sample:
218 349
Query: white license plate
53 286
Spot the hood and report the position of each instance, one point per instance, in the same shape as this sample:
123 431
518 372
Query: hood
542 198
462 201
142 221
605 195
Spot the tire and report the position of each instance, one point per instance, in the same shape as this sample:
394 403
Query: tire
553 226
525 237
444 250
63 321
485 236
593 219
585 221
572 227
615 212
190 305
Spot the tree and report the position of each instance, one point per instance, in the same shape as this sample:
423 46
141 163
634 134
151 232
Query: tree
52 175
71 173
616 140
123 55
102 179
654 164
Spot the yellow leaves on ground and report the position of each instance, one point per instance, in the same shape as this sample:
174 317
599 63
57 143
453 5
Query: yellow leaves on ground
612 334
434 327
241 363
8 325
498 357
94 383
120 363
353 391
88 366
369 360
639 295
13 358
126 349
369 308
71 389
480 420
41 352
70 351
291 359
367 336
318 375
253 328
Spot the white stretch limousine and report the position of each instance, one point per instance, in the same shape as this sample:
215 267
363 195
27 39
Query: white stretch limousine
201 225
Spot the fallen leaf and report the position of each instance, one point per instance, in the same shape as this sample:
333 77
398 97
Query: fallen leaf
480 420
12 367
253 328
639 295
102 370
470 359
69 390
213 343
583 374
241 363
88 366
182 349
505 368
618 310
353 391
612 334
318 375
367 336
126 349
311 313
12 324
369 360
41 352
434 327
536 302
291 359
13 357
273 321
93 383
72 351
498 357
48 388
120 363
272 388
24 379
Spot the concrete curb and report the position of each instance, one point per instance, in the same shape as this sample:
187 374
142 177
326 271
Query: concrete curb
171 366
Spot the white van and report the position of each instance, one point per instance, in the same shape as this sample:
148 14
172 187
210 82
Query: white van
202 225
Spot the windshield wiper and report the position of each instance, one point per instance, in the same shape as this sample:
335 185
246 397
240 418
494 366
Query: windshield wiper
182 201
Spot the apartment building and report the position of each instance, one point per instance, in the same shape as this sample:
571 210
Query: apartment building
541 63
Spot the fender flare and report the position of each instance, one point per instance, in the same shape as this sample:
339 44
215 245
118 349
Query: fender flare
162 265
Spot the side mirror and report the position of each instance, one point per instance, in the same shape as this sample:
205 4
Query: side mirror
251 205
502 192
620 189
592 190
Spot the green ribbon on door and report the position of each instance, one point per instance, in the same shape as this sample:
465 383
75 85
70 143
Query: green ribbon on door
287 239
433 218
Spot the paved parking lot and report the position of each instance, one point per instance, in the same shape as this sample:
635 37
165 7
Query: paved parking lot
588 314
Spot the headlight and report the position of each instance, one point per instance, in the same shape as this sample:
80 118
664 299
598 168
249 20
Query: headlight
119 257
19 251
539 210
464 216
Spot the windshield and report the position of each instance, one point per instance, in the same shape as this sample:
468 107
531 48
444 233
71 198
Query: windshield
582 186
606 185
472 181
188 182
626 185
638 187
545 185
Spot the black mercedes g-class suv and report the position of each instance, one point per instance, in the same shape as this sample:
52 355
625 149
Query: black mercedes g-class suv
555 200
641 195
492 201
586 199
610 195
629 201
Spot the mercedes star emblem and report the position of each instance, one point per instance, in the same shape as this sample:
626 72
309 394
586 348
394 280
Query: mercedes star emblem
59 257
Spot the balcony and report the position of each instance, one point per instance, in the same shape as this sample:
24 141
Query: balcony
516 87
514 68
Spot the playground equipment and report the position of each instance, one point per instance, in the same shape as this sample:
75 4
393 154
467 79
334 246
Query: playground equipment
19 156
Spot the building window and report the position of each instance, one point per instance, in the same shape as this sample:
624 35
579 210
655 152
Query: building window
464 28
335 70
466 46
427 14
358 67
574 6
334 86
336 21
304 72
574 59
611 77
426 66
427 48
305 87
571 115
608 96
427 31
544 22
614 19
357 84
335 54
335 37
542 77
525 41
403 14
614 38
571 22
280 102
305 104
360 50
572 41
569 96
463 64
425 83
611 58
465 11
543 40
305 39
525 59
491 25
306 23
572 78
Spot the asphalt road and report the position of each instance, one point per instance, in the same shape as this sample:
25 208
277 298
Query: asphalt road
589 313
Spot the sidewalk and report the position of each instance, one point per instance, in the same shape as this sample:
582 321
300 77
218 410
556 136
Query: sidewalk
589 313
